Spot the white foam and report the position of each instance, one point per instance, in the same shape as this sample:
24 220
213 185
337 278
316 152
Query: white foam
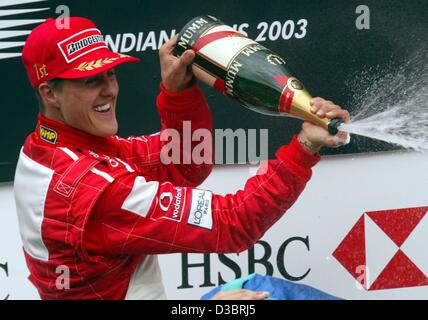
392 104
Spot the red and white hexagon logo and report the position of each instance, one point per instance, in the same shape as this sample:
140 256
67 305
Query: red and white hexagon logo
387 249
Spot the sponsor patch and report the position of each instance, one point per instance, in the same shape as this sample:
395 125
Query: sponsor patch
48 135
81 43
200 214
171 204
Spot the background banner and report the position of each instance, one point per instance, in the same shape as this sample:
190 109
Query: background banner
358 231
335 47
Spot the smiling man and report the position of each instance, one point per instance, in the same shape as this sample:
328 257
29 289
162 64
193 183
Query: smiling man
87 104
74 156
94 209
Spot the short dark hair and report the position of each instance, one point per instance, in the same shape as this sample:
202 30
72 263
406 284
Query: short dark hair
54 83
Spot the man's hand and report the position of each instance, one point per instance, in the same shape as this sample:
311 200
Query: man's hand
175 71
313 137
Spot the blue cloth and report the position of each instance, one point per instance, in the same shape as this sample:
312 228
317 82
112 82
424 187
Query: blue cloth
279 289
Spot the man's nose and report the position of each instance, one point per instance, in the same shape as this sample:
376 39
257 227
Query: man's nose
110 87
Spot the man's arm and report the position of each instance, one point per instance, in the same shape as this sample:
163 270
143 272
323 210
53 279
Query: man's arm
183 111
137 216
186 113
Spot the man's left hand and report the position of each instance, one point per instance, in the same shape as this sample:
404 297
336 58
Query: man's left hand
175 71
313 137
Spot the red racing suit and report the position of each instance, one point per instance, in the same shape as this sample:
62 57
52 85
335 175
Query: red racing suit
94 212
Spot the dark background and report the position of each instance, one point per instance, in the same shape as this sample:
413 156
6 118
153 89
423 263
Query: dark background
325 60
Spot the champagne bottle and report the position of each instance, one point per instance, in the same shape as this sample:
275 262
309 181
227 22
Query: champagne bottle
246 71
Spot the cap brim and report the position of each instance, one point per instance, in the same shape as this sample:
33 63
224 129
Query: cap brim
95 63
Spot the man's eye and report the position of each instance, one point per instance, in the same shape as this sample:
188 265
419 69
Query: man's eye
91 81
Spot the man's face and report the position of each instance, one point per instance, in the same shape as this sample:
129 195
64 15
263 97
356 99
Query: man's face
89 104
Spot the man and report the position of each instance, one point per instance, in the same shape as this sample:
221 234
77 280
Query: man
94 209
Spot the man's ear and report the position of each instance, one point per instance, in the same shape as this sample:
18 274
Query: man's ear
48 95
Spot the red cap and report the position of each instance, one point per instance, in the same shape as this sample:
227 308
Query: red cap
70 51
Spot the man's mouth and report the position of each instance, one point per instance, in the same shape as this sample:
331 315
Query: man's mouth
104 108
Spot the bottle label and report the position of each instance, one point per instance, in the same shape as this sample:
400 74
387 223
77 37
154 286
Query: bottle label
291 86
286 98
217 62
193 31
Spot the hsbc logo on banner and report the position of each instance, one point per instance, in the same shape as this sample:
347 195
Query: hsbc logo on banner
387 249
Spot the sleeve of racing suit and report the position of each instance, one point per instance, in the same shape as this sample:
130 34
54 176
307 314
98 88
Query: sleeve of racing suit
181 115
134 216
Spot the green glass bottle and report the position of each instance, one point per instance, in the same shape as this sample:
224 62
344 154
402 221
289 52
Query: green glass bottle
246 71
